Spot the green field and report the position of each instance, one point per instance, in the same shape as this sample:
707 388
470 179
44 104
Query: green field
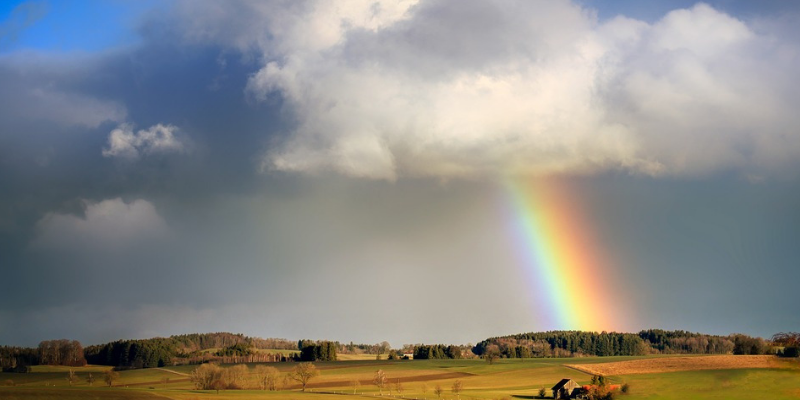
509 379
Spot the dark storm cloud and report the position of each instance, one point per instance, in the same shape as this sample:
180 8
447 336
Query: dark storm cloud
57 116
187 226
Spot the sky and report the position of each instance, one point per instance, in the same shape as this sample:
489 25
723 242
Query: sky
407 171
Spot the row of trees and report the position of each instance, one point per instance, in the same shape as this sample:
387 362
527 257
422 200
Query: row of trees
239 349
563 344
61 352
17 359
147 353
683 342
436 352
317 351
213 377
651 341
50 352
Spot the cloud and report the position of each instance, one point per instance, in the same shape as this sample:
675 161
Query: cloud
426 89
158 139
47 87
108 225
21 18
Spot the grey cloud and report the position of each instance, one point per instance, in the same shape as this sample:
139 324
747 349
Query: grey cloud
106 225
37 90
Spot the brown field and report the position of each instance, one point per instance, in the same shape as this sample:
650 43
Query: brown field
674 364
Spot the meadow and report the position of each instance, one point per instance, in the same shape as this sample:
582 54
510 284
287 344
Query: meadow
505 379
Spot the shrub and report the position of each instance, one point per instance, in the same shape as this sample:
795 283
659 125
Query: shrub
790 351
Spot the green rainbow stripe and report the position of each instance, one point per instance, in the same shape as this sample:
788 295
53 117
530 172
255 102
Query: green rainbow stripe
552 242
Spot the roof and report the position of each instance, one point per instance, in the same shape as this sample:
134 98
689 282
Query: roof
561 384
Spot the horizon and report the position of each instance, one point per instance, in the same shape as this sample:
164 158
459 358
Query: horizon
409 172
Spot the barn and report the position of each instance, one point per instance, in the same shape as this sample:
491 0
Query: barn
564 388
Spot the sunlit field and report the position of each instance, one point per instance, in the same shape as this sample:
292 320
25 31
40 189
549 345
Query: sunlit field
510 379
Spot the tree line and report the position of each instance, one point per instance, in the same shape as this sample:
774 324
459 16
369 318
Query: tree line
437 352
317 351
237 348
651 341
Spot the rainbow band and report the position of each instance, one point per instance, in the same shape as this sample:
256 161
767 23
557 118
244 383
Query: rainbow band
552 244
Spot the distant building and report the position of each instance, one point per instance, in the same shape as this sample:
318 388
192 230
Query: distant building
565 388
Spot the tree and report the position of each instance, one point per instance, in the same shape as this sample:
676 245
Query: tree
491 354
110 376
542 393
71 377
626 388
424 390
380 380
233 377
457 387
207 377
790 342
355 383
438 390
267 377
90 379
303 372
383 347
398 387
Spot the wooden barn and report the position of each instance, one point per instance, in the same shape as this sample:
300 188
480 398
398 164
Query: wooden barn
565 388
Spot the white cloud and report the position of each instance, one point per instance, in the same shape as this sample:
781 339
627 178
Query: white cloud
123 142
107 225
488 88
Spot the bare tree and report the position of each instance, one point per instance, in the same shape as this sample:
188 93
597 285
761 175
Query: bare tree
398 387
110 376
424 390
71 377
233 377
458 386
267 377
90 379
207 376
355 383
438 391
303 372
380 380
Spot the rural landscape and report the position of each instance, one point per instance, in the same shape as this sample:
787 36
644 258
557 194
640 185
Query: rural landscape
558 365
399 199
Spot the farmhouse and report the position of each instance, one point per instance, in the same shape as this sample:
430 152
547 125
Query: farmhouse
565 388
569 389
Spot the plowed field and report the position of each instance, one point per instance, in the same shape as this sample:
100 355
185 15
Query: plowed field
673 364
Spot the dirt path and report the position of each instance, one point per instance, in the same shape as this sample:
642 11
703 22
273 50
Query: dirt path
172 372
674 364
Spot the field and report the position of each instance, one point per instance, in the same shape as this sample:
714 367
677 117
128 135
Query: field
716 377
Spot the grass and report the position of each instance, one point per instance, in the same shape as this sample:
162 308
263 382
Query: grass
511 379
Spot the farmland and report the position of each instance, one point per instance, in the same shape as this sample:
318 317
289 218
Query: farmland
722 377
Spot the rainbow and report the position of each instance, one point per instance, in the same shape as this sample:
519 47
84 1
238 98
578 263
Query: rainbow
554 245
